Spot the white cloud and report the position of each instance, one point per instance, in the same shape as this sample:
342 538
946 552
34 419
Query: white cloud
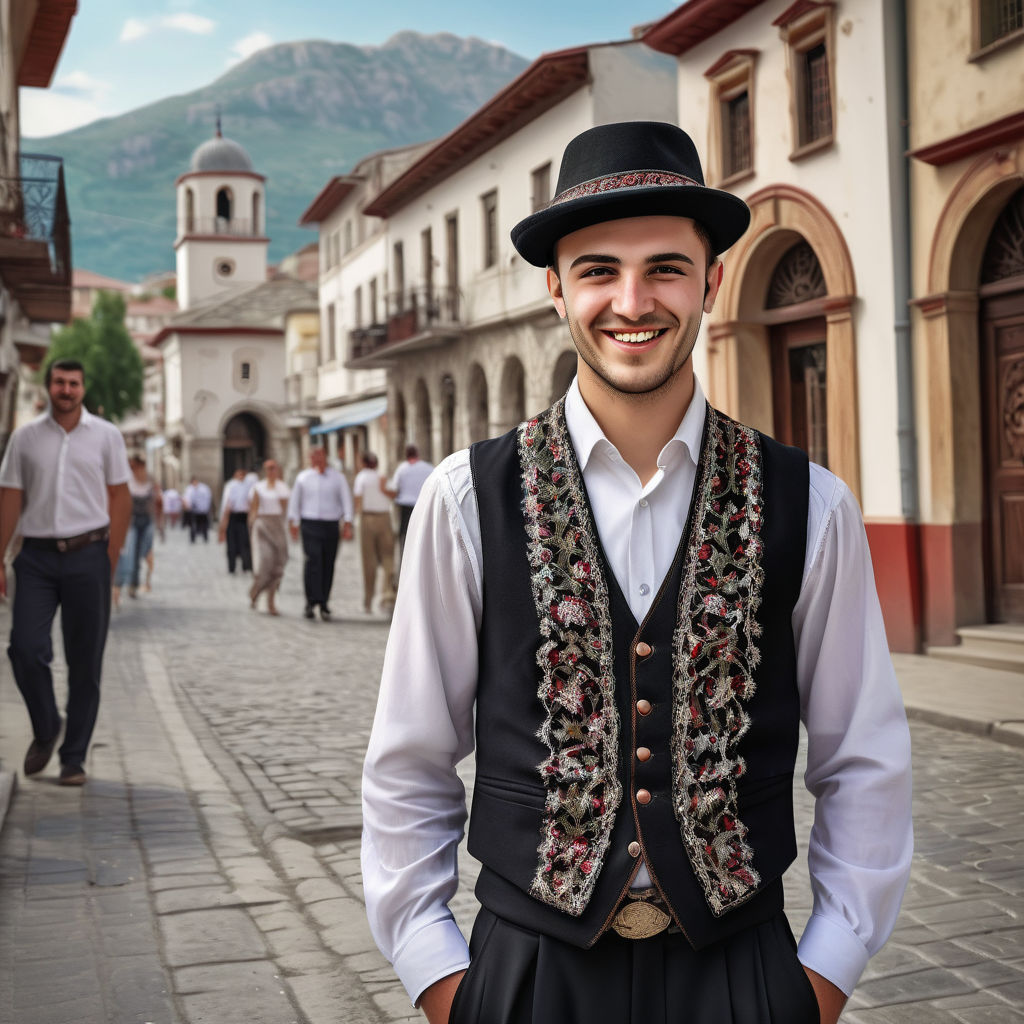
79 83
248 45
194 23
133 29
49 111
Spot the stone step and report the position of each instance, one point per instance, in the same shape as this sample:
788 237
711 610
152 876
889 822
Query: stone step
983 653
1011 634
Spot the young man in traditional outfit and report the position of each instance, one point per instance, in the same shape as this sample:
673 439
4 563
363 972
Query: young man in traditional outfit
640 599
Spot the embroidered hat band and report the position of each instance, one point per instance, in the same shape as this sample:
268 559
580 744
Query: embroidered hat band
634 179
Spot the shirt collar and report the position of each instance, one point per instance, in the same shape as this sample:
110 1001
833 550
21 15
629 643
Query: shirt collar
83 421
586 434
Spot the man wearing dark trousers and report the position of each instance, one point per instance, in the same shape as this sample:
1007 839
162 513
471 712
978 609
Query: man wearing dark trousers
628 604
320 508
64 485
234 521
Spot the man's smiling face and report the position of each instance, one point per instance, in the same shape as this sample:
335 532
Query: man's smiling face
633 293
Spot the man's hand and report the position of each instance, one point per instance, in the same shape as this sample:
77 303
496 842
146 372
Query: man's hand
293 529
436 1001
347 533
222 534
831 999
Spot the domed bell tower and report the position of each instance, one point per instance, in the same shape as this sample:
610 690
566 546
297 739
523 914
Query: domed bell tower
221 244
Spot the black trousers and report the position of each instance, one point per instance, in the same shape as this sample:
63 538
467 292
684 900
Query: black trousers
198 523
237 538
519 977
320 546
79 582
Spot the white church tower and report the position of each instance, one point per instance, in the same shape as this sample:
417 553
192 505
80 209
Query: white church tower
221 243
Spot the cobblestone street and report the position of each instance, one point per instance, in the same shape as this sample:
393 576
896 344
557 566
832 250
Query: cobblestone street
208 871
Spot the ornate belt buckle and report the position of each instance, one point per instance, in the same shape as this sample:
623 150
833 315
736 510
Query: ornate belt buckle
62 545
640 920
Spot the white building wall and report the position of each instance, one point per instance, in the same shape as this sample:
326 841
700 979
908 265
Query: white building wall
850 179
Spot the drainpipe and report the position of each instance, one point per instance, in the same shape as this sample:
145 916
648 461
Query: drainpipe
894 27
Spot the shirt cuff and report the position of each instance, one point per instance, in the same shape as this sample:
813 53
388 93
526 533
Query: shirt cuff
833 951
431 954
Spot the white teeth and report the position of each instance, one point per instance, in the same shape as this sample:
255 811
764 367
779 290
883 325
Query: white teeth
635 338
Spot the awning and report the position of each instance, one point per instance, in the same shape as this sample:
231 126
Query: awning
353 415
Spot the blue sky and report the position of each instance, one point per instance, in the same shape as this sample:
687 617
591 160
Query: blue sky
122 54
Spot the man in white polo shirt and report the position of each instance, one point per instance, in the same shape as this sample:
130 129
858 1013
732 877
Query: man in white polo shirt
64 482
405 486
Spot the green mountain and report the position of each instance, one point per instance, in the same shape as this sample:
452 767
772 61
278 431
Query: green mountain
303 111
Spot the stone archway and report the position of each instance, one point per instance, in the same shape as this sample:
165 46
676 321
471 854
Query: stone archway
947 355
563 373
447 415
244 444
782 217
512 394
423 428
477 407
400 427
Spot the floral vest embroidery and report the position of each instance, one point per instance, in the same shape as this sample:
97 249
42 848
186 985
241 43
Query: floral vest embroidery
715 653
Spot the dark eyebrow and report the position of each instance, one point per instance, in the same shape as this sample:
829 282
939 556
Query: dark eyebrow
593 258
671 257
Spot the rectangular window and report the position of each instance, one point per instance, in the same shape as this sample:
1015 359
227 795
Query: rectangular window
245 371
808 35
357 307
427 256
451 230
348 237
398 275
1000 18
373 301
489 210
736 135
329 349
816 122
540 187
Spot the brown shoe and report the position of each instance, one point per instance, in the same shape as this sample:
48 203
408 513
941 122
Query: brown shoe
39 754
72 774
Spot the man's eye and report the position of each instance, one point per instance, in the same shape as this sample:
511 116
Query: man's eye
667 268
595 272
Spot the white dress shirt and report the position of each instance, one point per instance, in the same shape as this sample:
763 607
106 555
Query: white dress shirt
63 475
317 495
172 501
408 481
858 761
367 485
272 500
236 496
198 498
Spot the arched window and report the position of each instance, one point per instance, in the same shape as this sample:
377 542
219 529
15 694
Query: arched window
479 426
224 203
565 370
447 414
190 210
423 424
513 393
255 213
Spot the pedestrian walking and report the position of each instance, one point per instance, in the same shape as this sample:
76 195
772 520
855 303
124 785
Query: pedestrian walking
405 485
64 487
198 500
320 508
234 521
630 602
172 506
267 514
138 546
376 534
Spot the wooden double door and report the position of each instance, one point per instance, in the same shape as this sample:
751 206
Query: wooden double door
1002 329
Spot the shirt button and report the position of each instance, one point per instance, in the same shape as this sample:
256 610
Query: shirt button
644 707
643 503
634 849
642 649
643 796
643 753
644 589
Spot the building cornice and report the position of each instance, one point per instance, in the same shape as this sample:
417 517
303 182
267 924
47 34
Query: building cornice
694 22
995 133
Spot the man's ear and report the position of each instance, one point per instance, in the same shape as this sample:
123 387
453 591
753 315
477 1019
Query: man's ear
712 284
555 291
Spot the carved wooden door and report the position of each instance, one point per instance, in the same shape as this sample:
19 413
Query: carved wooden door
1003 331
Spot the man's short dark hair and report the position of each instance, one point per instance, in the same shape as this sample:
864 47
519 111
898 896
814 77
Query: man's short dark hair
411 451
369 460
63 364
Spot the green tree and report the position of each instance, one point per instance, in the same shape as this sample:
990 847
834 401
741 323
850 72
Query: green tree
102 344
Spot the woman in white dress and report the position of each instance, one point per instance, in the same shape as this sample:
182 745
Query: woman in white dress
269 536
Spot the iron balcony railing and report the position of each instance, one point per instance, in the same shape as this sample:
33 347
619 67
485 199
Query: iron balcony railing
416 310
364 341
33 207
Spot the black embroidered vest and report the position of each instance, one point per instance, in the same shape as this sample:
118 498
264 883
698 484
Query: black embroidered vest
565 701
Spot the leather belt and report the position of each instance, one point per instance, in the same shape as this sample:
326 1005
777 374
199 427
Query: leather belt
65 545
643 915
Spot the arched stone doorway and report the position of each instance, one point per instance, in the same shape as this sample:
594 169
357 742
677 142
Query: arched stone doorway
476 396
565 370
447 415
1002 396
400 427
244 445
512 394
422 422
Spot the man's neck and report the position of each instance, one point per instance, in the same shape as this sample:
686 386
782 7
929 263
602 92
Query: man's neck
67 421
639 425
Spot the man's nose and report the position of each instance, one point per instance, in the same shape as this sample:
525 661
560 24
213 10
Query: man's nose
633 297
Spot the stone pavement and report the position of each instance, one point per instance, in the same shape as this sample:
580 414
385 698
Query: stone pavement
208 872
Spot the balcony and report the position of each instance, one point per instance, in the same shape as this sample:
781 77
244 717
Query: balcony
35 239
220 226
416 318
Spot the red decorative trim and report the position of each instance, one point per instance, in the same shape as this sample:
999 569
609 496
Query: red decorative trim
896 558
220 174
634 179
694 22
220 238
49 29
1006 129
